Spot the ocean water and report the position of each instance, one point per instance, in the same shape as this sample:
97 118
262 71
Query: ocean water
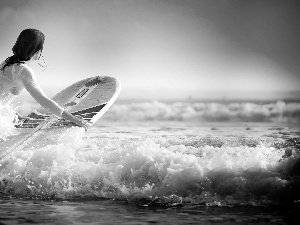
159 162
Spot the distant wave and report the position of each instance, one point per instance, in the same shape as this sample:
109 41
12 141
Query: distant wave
206 111
278 111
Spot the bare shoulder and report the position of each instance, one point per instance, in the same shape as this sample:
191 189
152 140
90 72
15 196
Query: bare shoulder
26 74
25 70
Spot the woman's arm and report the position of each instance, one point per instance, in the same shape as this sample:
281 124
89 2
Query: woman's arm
31 85
80 122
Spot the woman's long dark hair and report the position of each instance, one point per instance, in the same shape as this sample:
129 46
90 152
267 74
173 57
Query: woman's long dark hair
29 42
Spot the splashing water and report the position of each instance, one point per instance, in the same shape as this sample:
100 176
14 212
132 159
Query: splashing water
8 119
155 165
193 170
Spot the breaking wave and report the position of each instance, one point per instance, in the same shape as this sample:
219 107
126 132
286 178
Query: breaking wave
157 170
279 111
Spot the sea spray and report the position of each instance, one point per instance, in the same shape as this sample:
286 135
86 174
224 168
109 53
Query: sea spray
8 120
196 170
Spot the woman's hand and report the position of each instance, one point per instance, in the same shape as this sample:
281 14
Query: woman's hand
19 118
83 123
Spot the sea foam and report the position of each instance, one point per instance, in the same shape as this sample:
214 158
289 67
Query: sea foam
197 170
178 167
8 120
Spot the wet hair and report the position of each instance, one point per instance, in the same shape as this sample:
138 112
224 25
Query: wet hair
29 42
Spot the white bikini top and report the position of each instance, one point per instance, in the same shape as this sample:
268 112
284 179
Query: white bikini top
13 82
9 79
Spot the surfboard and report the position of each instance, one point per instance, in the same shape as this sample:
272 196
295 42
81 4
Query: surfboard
89 99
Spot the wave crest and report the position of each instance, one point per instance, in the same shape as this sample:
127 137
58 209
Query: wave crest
186 111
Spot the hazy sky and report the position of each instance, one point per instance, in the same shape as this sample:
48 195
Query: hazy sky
165 48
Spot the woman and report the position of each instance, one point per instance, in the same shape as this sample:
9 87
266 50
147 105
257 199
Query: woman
16 75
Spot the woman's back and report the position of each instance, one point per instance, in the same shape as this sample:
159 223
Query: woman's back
10 84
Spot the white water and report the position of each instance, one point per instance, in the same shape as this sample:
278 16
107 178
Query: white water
7 118
215 164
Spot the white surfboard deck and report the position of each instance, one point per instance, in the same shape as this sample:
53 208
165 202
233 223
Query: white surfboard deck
89 98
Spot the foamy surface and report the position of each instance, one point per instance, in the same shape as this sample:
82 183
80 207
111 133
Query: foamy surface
138 163
156 163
